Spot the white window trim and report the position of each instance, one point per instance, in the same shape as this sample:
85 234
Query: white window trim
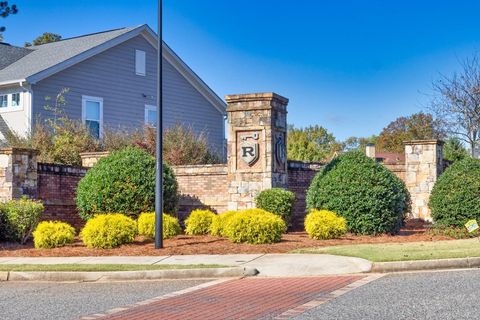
149 107
93 99
9 107
144 63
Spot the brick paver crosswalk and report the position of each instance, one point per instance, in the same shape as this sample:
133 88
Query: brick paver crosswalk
248 298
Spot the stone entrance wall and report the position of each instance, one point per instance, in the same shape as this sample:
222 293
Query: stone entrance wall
257 127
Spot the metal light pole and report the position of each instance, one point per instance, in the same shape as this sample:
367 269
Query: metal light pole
159 137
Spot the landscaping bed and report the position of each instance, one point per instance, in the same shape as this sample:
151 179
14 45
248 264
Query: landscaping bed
205 244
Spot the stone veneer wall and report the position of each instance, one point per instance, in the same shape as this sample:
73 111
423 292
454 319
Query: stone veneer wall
201 186
18 173
56 188
424 164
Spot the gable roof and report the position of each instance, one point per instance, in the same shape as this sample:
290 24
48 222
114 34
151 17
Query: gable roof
9 54
45 60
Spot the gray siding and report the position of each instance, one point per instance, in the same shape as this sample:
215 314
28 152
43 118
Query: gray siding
111 76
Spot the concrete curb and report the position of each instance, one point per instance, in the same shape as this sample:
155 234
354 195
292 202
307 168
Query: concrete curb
231 272
398 266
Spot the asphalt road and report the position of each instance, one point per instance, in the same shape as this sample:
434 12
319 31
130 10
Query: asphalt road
433 295
43 300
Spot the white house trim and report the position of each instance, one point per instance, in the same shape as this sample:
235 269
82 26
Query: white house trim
149 108
94 99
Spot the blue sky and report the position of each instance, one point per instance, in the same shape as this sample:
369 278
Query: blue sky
350 66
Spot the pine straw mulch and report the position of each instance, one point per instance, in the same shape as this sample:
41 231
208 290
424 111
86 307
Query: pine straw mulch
184 244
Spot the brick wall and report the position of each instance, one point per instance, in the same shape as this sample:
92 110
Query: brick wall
397 168
300 175
56 188
202 186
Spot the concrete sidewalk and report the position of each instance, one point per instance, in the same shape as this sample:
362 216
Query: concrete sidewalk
266 264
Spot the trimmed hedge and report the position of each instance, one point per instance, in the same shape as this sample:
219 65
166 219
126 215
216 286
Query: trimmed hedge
369 196
107 231
146 225
124 182
255 226
278 201
455 197
53 234
20 218
199 222
324 224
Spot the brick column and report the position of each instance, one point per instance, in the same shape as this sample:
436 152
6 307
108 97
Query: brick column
423 165
18 173
257 156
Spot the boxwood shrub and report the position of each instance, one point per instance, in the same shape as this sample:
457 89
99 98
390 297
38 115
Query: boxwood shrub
124 182
369 196
324 224
278 201
19 218
455 197
107 231
53 234
254 226
219 222
199 222
146 225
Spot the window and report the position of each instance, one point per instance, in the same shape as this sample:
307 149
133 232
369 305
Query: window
92 115
15 100
3 101
140 60
151 115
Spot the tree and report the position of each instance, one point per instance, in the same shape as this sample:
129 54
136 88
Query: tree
358 143
457 102
46 37
5 11
453 150
418 126
313 143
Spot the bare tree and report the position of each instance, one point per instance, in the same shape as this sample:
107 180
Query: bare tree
457 102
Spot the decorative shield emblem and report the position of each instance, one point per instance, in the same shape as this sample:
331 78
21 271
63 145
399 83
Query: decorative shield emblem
249 152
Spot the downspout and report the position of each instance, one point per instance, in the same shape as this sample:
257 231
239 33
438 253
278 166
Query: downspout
28 107
224 144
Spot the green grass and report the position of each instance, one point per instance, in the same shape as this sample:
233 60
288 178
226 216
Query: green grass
404 251
102 267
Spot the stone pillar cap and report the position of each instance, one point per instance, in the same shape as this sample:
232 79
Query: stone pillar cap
19 150
265 96
432 141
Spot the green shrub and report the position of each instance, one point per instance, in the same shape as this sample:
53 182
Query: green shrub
199 222
146 225
124 182
369 196
21 218
255 226
277 201
53 234
108 231
217 228
324 224
455 197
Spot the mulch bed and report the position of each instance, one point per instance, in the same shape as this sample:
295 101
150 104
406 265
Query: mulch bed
183 245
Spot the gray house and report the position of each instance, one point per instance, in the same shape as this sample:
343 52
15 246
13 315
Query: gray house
111 77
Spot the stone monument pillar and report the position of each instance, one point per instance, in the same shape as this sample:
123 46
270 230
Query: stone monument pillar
18 173
257 155
423 165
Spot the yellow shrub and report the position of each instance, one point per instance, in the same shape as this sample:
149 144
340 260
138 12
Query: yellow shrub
198 222
324 224
108 231
255 226
217 228
52 234
146 225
